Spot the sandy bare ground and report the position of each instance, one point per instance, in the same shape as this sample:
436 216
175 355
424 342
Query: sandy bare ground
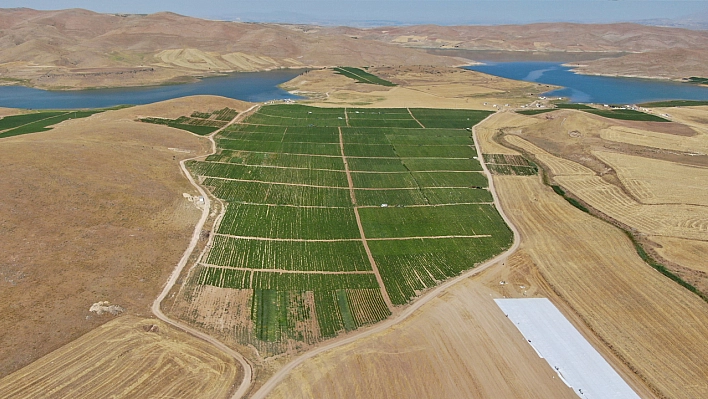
418 87
127 357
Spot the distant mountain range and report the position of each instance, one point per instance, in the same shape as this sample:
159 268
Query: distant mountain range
79 48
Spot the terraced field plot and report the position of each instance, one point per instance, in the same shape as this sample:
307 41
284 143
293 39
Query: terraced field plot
336 216
201 123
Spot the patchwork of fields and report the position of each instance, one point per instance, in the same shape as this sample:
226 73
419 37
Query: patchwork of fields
336 216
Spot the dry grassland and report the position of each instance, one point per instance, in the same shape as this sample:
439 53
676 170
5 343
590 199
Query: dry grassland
503 121
658 329
647 179
419 87
459 345
697 144
696 117
688 253
557 166
90 211
127 357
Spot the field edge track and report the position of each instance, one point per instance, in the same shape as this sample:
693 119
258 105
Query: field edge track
278 377
247 380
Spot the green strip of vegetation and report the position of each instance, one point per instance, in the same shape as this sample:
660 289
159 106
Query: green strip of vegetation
573 106
534 111
200 130
698 80
674 103
640 250
362 76
572 201
662 269
39 122
627 114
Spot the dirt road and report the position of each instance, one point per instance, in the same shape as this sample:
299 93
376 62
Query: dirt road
247 368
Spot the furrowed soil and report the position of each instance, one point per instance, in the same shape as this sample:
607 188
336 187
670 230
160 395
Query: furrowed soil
127 357
91 211
473 351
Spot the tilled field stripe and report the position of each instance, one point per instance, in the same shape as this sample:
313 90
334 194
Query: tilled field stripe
287 239
285 271
414 118
352 194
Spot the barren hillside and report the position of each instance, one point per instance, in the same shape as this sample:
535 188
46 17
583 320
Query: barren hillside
48 48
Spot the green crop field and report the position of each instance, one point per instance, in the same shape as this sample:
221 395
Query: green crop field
627 114
573 106
674 103
38 121
294 178
534 111
201 123
362 76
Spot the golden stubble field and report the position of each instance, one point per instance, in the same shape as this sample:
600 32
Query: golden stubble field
91 211
646 177
127 357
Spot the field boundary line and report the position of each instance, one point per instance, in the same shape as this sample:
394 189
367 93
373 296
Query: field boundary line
429 205
253 238
245 384
276 378
287 271
346 117
414 118
337 156
352 194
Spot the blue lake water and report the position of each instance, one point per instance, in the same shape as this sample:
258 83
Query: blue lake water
593 89
246 86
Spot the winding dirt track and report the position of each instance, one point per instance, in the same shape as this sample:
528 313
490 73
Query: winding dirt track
247 368
280 375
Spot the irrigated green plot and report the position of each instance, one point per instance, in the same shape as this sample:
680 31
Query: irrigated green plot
421 164
38 122
287 148
314 177
438 196
336 256
362 76
290 233
278 159
390 197
409 266
376 164
239 279
277 194
289 222
383 180
450 179
369 150
449 118
466 220
435 151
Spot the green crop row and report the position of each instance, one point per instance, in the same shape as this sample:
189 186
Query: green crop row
410 266
534 111
200 130
276 159
277 194
40 121
244 279
289 222
288 148
313 177
423 196
449 118
362 76
474 219
336 256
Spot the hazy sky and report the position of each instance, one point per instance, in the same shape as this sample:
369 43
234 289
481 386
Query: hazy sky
444 12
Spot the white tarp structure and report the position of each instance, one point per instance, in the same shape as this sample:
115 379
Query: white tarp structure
565 349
